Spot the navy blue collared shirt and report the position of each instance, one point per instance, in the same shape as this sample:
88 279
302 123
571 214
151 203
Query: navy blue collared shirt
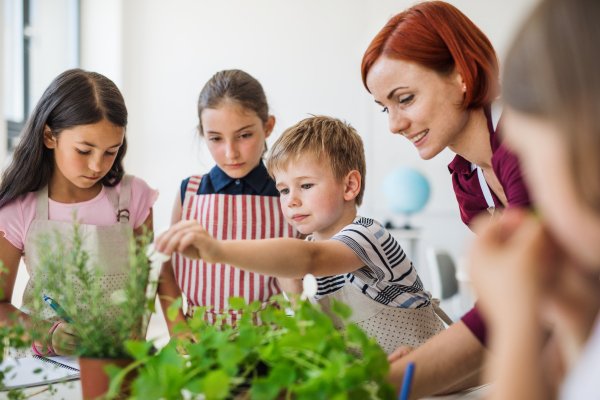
257 183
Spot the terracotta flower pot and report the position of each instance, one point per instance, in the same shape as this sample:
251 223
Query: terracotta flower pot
95 382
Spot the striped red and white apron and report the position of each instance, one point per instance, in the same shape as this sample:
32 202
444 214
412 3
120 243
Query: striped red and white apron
228 217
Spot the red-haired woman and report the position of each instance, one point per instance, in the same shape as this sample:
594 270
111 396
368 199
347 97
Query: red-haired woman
436 74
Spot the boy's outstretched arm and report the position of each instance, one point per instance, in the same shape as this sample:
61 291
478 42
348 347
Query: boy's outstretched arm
287 258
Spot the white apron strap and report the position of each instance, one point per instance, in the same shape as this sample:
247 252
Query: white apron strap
441 313
41 204
487 193
190 191
121 202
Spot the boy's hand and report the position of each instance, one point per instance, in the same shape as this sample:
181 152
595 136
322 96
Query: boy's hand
189 239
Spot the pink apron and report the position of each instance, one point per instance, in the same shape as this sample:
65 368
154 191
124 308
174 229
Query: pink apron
228 217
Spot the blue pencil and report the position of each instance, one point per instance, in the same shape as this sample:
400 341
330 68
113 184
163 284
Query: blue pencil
59 310
407 381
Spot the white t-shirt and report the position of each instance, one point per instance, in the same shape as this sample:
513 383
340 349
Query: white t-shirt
388 276
583 381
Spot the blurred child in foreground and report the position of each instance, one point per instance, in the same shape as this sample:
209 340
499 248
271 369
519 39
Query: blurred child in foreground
538 271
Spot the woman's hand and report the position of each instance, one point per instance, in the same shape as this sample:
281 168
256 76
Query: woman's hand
189 239
64 341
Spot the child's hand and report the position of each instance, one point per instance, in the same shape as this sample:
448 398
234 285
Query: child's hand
64 340
189 239
512 263
399 353
571 307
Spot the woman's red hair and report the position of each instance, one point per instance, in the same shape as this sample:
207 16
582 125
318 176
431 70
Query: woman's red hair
438 36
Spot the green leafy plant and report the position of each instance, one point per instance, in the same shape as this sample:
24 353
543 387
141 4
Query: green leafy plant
293 357
102 322
12 335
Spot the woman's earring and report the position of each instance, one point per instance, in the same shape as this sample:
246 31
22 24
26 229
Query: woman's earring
465 88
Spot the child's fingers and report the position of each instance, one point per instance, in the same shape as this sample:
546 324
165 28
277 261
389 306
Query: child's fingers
166 236
189 241
172 243
174 228
164 241
68 329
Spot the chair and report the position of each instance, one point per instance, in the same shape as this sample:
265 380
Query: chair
442 272
444 285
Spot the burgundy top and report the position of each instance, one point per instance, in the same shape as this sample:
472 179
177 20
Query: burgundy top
471 200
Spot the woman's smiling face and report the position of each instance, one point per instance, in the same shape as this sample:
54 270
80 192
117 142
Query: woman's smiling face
422 105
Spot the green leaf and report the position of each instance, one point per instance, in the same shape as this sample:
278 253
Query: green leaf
248 337
283 374
112 370
358 394
341 309
37 371
255 306
355 334
264 390
195 385
230 355
340 396
170 356
237 303
138 349
181 327
267 315
385 390
215 385
151 305
174 308
355 375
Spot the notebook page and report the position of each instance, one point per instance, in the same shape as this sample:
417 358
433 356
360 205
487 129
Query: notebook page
29 371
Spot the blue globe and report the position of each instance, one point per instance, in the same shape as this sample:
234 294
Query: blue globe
405 190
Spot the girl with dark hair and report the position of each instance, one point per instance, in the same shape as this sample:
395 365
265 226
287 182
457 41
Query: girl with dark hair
69 161
237 199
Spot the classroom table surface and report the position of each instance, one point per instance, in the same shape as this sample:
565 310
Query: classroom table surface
72 391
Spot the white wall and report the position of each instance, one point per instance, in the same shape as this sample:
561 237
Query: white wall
102 37
307 55
3 137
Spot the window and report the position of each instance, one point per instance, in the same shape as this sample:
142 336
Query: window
41 40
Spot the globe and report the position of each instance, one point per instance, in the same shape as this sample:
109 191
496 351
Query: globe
405 190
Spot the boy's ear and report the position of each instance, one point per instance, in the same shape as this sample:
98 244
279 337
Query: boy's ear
269 126
49 138
353 185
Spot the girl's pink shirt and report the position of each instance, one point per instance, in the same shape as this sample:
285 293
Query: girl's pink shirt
17 216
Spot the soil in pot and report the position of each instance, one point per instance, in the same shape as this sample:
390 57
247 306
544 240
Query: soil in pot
95 382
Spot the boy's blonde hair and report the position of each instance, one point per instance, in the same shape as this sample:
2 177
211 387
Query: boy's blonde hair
318 137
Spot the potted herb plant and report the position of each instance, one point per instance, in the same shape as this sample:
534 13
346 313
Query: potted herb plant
102 320
14 336
289 357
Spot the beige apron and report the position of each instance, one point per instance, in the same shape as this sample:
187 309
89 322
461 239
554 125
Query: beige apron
107 247
392 327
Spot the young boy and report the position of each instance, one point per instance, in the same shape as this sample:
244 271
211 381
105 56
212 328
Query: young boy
319 168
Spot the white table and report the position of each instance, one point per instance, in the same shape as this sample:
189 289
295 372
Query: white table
72 391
